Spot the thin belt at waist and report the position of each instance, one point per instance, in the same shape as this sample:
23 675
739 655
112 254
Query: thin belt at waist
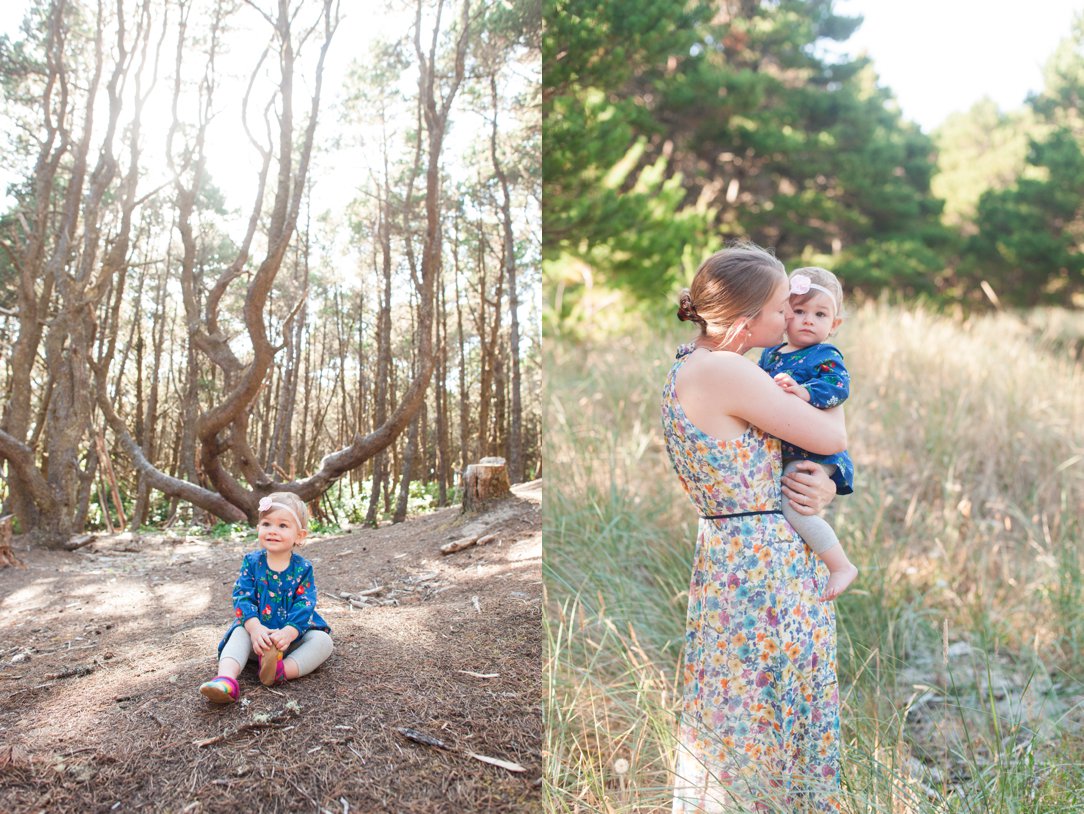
739 514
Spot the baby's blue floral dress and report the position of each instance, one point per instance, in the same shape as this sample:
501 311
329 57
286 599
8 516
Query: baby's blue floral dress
820 370
759 724
276 598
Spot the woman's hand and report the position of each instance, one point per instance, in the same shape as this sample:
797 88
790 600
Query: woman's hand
260 635
808 488
283 637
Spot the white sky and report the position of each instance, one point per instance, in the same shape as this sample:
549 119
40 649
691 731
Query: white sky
941 56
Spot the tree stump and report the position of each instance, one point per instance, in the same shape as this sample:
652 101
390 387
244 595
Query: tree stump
484 481
7 556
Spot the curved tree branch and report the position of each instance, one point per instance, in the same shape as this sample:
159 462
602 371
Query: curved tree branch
212 502
21 458
339 463
283 223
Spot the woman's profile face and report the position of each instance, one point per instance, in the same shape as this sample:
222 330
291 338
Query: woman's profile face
767 327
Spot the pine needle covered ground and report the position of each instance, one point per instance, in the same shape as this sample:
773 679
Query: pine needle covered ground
102 651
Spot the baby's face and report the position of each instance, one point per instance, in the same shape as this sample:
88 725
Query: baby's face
278 531
811 321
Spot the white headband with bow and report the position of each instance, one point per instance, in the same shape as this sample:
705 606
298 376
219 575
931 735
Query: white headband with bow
800 284
267 504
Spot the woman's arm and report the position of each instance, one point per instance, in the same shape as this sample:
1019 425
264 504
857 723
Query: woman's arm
731 385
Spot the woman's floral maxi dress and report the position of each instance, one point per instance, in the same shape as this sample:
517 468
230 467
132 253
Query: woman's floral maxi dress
760 718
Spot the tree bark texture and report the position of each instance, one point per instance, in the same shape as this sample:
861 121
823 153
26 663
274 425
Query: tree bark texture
212 365
484 482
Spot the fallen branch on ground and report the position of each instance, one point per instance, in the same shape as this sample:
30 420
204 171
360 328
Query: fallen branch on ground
458 545
504 764
78 542
428 740
277 718
420 737
71 672
466 542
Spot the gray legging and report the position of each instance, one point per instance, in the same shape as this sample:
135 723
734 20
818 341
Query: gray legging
813 529
308 652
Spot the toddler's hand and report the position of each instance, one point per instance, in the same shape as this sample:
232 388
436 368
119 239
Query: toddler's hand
283 637
787 383
261 638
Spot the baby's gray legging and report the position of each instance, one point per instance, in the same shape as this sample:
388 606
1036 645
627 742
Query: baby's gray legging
308 652
813 529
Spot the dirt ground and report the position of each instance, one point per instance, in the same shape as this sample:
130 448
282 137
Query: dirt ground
102 651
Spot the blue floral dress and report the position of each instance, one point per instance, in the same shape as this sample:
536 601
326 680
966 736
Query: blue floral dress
277 598
759 726
820 370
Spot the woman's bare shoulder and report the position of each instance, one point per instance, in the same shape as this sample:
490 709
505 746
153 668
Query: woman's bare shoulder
718 368
711 387
703 360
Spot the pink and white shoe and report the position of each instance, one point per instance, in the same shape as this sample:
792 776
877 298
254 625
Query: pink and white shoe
220 690
271 669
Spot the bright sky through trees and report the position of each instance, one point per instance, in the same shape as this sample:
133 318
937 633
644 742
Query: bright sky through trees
232 163
347 146
942 56
937 56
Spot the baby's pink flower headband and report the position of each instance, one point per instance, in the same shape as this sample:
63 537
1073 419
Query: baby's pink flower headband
800 284
267 504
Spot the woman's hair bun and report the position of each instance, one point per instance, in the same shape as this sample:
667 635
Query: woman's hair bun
686 309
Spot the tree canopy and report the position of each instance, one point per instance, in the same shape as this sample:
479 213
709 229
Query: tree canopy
672 127
188 317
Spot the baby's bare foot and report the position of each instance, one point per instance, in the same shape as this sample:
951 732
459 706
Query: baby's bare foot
838 582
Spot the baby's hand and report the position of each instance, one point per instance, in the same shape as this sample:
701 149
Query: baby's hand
787 383
283 637
260 635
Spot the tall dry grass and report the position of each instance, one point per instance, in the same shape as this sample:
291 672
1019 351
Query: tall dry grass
961 646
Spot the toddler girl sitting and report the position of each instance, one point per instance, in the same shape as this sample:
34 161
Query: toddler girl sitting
274 600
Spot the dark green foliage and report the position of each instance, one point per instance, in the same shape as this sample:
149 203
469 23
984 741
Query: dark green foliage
1029 243
519 21
800 151
603 45
661 140
900 265
627 221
